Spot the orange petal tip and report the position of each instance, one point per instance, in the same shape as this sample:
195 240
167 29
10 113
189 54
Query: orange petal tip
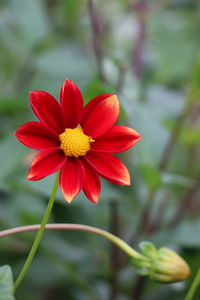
68 198
30 177
126 180
112 100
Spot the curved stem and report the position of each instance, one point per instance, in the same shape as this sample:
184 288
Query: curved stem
193 287
114 239
39 234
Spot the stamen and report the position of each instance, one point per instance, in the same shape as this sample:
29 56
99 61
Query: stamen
74 142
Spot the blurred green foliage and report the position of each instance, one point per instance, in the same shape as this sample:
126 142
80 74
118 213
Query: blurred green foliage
6 283
44 42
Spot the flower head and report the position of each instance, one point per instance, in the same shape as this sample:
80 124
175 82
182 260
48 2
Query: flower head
79 141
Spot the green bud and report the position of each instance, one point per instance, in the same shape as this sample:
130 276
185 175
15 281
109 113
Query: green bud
162 264
169 267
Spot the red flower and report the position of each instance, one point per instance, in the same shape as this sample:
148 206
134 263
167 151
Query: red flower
77 140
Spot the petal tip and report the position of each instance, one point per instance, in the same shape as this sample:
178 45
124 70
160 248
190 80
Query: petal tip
138 138
127 182
31 93
125 179
93 199
30 176
68 198
33 96
68 81
137 135
113 100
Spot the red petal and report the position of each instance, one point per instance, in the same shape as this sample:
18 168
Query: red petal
109 167
72 178
102 117
46 163
72 104
37 136
92 185
118 139
48 110
91 104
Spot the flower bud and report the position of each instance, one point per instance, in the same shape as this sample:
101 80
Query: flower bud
162 264
169 267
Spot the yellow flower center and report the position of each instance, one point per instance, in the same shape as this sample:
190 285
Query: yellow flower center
74 142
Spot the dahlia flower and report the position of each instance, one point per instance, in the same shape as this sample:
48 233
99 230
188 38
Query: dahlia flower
79 141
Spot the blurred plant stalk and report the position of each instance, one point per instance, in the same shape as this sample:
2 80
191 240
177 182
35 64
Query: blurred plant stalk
115 255
193 287
146 225
96 38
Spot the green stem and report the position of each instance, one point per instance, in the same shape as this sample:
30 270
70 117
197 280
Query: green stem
109 236
39 234
193 287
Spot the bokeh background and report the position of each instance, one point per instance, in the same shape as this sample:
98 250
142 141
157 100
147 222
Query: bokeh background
148 53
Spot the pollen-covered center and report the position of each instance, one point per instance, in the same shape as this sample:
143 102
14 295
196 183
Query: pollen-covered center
74 142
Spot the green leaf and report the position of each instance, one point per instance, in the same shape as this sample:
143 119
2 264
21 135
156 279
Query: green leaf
190 136
6 283
151 176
